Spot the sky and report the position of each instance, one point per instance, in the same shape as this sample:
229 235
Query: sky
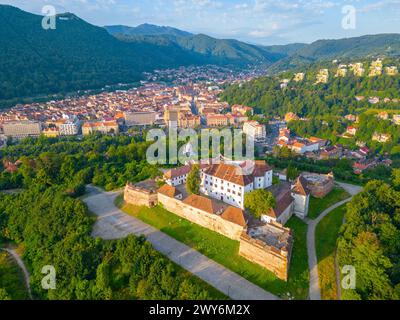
255 21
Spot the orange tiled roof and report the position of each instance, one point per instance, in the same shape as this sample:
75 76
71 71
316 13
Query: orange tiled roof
204 204
234 215
169 191
229 173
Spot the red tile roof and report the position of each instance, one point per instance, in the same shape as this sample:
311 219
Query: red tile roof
204 204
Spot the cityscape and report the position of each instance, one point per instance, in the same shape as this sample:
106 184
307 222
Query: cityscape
106 194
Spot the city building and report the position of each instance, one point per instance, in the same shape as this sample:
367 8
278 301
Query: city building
396 119
322 76
22 129
243 110
217 120
105 127
392 71
143 118
299 77
70 128
291 117
358 69
255 130
376 68
382 138
229 183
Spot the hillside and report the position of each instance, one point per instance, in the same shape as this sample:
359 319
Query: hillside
345 49
75 56
78 55
211 50
146 30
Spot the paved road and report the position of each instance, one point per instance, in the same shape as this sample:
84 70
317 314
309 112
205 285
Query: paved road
21 264
315 290
114 224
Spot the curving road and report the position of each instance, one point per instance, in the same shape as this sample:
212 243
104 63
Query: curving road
315 290
112 223
22 266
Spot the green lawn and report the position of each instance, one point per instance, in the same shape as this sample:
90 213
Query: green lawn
225 251
317 206
326 236
11 278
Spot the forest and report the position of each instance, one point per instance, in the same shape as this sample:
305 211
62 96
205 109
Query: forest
336 98
54 227
370 241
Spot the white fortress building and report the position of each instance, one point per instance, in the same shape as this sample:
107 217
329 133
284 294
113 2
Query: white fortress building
229 183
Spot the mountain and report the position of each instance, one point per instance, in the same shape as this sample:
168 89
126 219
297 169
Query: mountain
348 49
78 55
216 51
146 30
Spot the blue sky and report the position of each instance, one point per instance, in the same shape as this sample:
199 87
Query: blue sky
254 21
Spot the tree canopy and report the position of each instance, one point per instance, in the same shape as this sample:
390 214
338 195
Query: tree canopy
259 202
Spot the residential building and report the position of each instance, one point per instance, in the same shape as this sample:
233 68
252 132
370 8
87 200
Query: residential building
51 132
376 68
352 131
105 127
243 110
291 117
255 130
299 77
217 120
382 138
396 119
391 71
341 72
322 76
358 69
70 128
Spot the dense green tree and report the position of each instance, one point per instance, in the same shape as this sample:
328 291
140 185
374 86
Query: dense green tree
193 181
259 202
4 295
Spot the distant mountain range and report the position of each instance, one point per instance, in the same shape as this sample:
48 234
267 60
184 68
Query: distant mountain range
78 55
369 46
146 30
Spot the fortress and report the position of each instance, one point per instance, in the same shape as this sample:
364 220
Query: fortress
267 244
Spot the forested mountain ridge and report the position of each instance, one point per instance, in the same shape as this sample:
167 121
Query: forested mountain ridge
349 48
146 30
215 51
78 56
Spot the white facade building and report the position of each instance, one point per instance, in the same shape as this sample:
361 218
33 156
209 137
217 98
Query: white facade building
255 130
229 184
70 128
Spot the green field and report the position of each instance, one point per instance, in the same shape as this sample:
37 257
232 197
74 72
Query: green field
11 278
225 251
317 206
326 236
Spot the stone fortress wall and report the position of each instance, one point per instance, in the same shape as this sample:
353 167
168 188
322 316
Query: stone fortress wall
212 222
274 259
